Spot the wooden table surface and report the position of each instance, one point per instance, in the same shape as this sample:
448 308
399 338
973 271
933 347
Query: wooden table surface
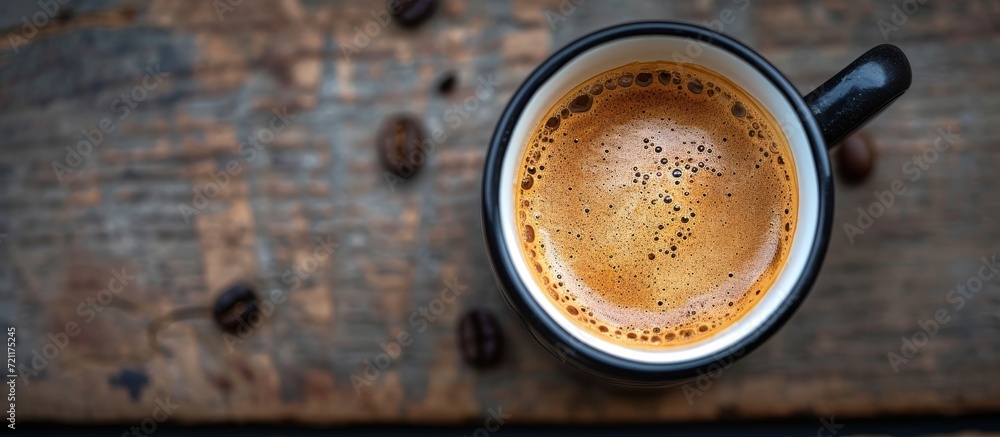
223 69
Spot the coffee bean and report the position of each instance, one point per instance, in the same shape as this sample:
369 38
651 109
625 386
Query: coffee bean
399 143
65 15
447 83
479 338
855 158
234 306
411 13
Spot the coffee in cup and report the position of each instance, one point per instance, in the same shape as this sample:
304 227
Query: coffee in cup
656 204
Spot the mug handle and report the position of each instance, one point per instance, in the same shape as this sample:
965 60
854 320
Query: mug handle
859 92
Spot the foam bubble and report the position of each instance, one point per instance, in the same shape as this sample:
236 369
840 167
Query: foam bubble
644 79
581 103
625 80
527 182
552 124
738 110
663 77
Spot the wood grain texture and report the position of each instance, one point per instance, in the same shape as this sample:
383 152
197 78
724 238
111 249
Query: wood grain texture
397 249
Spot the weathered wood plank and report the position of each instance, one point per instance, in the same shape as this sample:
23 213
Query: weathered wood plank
320 178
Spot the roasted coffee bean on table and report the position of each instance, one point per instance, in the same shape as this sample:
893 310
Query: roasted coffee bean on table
65 15
234 306
855 158
480 339
411 13
398 141
447 82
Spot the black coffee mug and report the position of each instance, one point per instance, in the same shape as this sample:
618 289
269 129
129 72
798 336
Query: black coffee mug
811 124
